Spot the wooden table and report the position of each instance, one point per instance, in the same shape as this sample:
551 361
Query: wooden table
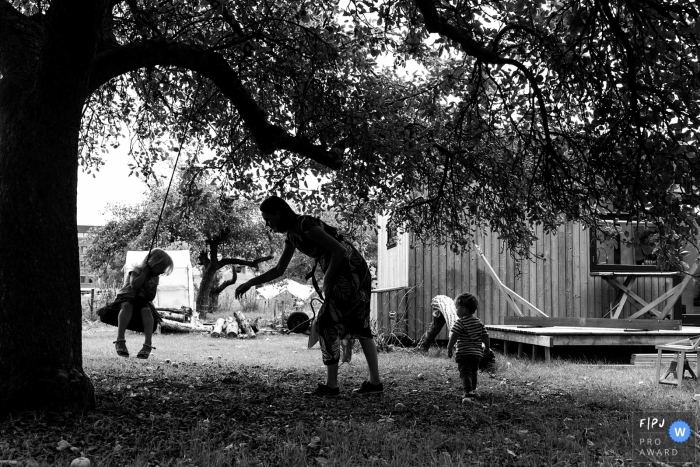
624 292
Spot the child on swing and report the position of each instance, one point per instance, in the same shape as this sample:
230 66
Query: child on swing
468 333
137 293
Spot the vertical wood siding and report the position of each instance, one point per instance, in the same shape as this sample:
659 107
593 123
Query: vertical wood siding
557 281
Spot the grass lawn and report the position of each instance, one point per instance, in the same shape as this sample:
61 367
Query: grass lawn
201 401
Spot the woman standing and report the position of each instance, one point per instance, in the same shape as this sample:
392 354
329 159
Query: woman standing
346 287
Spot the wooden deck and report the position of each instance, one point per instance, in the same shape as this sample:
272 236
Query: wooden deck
555 336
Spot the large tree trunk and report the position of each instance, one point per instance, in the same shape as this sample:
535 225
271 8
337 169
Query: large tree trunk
207 297
40 312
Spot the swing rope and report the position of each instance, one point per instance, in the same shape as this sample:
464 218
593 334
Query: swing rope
172 175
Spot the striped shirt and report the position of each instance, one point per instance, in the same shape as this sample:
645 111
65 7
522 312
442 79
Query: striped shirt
470 333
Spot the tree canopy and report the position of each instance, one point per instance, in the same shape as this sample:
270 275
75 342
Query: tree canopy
581 108
517 112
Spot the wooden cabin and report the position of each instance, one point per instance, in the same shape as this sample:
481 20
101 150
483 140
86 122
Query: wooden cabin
566 282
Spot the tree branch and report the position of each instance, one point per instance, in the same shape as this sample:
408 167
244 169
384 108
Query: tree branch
269 138
437 24
141 20
244 262
224 284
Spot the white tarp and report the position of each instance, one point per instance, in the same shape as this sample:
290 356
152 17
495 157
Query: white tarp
175 290
300 291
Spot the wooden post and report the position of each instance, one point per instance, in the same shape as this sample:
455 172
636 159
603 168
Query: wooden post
520 349
92 304
547 355
679 289
510 295
534 352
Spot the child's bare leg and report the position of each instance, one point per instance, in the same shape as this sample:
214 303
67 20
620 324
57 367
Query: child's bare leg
123 319
122 322
369 348
147 318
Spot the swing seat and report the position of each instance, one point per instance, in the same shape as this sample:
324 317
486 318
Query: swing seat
109 314
680 365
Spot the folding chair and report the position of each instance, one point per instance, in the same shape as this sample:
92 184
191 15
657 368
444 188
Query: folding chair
679 366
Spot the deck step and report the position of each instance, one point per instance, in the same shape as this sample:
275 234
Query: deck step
649 359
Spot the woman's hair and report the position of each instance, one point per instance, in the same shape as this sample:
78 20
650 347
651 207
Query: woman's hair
468 301
156 257
273 204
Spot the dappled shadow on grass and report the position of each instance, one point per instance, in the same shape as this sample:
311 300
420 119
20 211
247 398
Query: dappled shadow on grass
222 414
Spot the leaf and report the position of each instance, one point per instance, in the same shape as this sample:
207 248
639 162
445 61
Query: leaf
63 445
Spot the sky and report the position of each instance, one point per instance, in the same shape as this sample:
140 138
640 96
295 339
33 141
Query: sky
111 185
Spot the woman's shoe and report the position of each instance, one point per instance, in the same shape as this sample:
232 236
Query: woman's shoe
145 352
323 391
367 388
120 345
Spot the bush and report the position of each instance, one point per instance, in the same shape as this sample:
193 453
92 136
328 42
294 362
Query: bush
249 305
227 303
101 298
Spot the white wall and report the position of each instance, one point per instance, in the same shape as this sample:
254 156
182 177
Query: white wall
392 263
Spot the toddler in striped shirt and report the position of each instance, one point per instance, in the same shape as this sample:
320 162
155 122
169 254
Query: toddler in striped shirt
468 333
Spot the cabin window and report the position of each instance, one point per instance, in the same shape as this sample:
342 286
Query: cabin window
623 245
391 236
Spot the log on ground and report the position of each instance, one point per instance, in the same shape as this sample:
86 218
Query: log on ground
173 316
244 324
185 310
218 328
232 329
174 326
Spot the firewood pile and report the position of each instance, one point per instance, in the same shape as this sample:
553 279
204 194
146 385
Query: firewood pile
181 320
235 326
181 315
185 320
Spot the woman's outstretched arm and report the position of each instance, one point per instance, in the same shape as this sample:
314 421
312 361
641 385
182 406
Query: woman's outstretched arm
270 274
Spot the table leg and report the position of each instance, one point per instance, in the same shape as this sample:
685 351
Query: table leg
621 298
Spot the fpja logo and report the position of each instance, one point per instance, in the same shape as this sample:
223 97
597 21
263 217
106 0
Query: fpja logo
666 437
